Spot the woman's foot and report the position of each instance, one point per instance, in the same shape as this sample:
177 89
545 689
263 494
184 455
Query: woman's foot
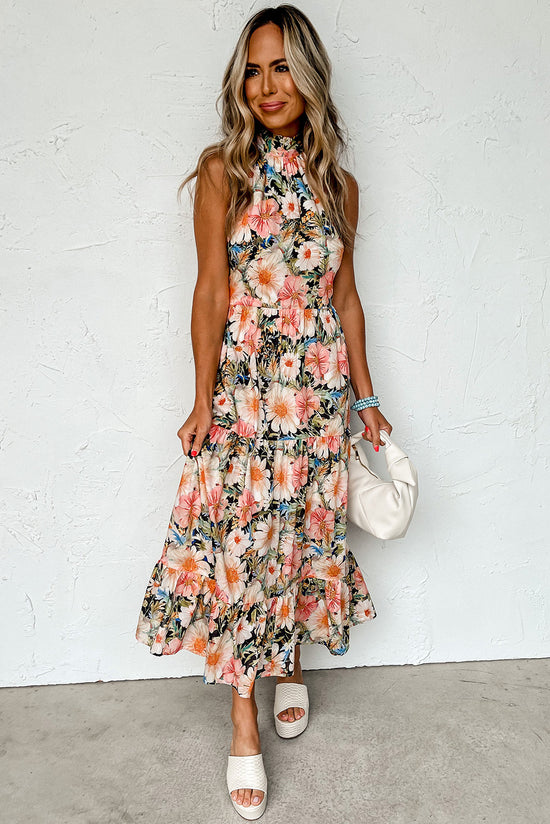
245 741
292 713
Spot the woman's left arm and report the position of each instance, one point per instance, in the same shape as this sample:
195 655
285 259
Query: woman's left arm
347 303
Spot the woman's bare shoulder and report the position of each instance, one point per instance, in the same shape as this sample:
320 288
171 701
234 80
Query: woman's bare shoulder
212 170
352 185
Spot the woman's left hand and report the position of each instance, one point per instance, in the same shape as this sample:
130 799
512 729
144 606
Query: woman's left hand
374 421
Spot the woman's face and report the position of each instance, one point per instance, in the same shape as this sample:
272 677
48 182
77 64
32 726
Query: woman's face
269 88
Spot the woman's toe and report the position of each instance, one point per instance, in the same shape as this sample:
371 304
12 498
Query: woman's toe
257 797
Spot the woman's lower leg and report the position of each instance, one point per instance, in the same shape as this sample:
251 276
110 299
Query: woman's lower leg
245 741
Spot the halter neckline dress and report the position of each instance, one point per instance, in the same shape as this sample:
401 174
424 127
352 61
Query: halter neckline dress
256 557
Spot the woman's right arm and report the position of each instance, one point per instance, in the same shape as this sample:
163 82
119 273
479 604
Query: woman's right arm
210 297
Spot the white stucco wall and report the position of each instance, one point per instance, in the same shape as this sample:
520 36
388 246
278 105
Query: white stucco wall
106 106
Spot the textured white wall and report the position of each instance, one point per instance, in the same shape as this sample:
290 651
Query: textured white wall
106 106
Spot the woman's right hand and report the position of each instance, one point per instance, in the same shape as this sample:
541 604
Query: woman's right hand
193 432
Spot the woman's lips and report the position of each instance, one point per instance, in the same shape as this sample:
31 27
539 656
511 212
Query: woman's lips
271 107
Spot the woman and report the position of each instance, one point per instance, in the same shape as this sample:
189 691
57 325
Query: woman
256 561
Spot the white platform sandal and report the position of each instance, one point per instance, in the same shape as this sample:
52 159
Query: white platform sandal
286 696
247 771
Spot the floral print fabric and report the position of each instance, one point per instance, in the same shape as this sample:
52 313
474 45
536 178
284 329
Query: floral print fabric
256 559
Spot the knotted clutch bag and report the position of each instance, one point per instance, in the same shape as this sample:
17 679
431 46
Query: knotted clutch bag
382 508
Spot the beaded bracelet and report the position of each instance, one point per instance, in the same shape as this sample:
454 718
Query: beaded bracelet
363 403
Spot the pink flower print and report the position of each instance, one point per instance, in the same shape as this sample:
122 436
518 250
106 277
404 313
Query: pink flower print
317 359
294 291
325 285
252 338
359 581
290 162
233 671
305 606
216 506
217 434
246 507
243 428
307 402
321 524
187 507
342 358
288 322
172 646
293 559
299 471
265 218
333 596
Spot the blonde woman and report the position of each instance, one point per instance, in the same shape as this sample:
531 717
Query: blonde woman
256 562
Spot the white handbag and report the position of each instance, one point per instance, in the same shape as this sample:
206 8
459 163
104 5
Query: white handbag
383 508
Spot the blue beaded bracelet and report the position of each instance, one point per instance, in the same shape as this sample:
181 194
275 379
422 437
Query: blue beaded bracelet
363 403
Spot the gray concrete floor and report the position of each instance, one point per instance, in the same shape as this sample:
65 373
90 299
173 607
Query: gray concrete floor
466 742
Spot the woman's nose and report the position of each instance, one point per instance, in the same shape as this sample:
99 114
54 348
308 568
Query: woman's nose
269 85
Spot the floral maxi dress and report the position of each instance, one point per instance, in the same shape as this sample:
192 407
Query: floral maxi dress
256 558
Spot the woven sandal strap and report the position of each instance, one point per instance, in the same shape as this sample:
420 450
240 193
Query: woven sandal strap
290 695
246 771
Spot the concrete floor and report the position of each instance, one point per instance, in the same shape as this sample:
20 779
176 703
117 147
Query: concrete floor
459 743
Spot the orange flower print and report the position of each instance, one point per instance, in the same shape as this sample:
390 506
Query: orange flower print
309 256
267 274
290 206
281 408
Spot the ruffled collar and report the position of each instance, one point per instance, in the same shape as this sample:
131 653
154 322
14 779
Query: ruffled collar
269 141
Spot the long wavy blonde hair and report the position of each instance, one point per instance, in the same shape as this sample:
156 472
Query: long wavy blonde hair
323 135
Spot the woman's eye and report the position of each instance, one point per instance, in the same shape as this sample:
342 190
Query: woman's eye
252 72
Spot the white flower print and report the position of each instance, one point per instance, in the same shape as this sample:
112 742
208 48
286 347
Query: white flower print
309 256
